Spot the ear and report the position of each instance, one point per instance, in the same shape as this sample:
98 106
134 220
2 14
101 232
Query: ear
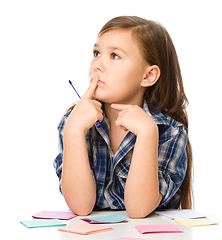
151 76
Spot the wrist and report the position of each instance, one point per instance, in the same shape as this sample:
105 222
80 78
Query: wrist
148 130
74 133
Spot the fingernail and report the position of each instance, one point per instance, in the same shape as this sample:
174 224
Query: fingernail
98 124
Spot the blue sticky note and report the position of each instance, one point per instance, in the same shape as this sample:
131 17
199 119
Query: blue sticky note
114 218
42 223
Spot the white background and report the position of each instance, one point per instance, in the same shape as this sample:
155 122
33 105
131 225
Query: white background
45 43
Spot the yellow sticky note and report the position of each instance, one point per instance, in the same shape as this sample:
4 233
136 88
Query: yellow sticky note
195 222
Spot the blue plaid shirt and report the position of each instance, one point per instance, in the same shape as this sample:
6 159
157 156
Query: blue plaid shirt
110 171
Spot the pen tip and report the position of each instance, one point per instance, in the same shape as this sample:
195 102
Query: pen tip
70 82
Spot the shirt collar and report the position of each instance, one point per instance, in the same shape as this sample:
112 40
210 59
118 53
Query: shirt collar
156 115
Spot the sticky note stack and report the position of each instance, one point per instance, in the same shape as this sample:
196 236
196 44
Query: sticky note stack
42 223
84 229
129 238
48 219
114 218
195 222
54 215
159 228
187 217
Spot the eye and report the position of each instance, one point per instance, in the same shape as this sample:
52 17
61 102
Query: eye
96 53
114 56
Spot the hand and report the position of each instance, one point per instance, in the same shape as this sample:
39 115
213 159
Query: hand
86 112
134 119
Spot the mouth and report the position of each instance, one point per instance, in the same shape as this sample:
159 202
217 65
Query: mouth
100 82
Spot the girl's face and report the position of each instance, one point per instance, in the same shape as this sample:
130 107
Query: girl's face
120 67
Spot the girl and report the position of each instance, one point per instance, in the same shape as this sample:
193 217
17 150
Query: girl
140 158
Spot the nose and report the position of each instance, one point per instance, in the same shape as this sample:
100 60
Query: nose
98 65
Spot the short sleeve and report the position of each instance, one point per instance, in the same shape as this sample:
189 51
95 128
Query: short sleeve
58 162
172 164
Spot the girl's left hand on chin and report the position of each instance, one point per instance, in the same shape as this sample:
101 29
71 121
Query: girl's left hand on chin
134 119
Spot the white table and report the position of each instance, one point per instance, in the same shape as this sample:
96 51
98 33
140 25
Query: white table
120 230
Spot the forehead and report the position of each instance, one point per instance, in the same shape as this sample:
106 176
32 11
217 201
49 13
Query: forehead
120 38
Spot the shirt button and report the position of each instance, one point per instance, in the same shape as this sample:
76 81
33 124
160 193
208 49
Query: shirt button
115 203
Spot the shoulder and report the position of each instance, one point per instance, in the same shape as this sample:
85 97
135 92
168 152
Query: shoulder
63 122
168 127
162 119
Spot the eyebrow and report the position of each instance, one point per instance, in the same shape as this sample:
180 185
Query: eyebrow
112 48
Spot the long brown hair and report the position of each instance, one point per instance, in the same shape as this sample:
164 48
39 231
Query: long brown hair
167 94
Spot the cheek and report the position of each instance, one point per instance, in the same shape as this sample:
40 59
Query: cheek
132 68
129 75
91 69
121 71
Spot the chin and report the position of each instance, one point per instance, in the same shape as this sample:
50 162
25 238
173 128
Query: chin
104 97
100 97
105 100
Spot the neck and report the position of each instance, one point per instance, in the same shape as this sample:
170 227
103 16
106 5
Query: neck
112 114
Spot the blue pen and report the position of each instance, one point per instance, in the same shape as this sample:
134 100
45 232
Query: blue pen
74 89
97 123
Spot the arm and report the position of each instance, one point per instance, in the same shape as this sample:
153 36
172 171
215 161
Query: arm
77 181
141 194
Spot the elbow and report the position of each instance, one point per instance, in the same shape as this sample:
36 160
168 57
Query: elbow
79 204
82 212
144 209
81 209
138 213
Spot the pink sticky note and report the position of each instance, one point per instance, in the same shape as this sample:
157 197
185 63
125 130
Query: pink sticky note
129 238
84 229
54 215
159 229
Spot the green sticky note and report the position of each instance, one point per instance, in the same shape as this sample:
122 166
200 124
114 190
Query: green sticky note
114 218
42 223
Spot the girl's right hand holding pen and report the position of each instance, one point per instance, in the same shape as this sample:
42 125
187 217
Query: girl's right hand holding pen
86 113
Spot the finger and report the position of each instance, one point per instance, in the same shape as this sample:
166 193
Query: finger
120 106
119 125
98 122
98 106
99 110
122 127
97 103
91 89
